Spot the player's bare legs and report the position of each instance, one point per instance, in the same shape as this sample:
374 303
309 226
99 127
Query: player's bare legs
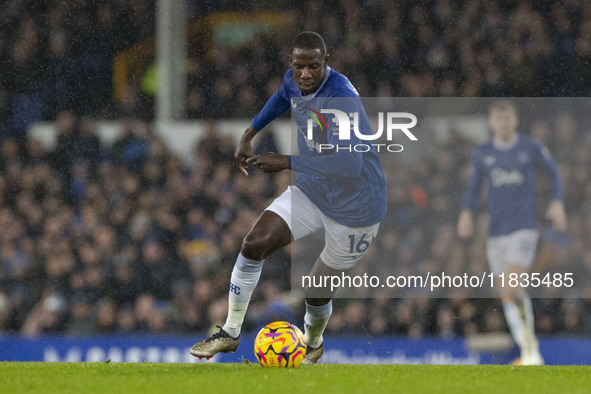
518 311
269 234
517 305
318 311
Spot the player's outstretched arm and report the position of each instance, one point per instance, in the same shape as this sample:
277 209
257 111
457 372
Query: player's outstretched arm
244 149
557 215
465 224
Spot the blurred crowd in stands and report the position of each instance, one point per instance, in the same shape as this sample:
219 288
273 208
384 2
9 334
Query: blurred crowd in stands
58 55
129 238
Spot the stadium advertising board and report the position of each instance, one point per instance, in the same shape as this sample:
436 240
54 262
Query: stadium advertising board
358 350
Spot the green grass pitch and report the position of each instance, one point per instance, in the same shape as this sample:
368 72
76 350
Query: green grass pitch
322 378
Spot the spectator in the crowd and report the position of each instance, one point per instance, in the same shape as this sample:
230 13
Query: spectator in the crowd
127 238
122 240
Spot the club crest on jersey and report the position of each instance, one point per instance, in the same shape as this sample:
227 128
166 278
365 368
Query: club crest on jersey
489 160
320 121
523 157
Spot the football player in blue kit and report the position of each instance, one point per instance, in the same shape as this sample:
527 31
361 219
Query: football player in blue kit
339 190
508 163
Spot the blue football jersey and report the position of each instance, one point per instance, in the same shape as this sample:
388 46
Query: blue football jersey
511 176
343 178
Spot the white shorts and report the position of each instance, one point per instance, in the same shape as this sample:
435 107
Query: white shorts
517 248
344 246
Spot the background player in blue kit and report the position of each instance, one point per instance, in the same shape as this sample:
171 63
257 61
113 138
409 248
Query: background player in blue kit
509 164
340 191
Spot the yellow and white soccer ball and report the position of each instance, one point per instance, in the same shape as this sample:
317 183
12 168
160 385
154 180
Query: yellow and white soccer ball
280 345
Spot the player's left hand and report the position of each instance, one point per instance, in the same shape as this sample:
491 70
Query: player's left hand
557 215
270 162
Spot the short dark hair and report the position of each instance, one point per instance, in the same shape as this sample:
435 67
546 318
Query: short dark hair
309 40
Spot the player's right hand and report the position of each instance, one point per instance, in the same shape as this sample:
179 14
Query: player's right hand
242 154
557 215
465 224
244 150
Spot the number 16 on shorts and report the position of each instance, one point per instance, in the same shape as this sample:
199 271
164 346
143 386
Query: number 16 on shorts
360 244
345 246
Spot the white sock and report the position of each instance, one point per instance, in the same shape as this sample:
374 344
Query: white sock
315 321
530 334
515 322
520 319
245 276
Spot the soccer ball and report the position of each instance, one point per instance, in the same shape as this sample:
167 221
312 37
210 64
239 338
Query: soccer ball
280 345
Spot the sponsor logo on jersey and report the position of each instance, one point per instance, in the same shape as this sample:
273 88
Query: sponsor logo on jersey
310 143
500 177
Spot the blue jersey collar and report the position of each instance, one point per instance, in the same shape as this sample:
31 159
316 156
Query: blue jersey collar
506 146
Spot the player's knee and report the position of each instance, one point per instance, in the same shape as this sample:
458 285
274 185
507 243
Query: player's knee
256 247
